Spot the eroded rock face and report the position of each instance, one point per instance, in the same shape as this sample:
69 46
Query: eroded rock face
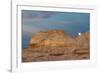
83 41
54 45
52 38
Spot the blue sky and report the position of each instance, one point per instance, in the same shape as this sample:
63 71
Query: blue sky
36 21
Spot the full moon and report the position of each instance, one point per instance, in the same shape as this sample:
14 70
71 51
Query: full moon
79 33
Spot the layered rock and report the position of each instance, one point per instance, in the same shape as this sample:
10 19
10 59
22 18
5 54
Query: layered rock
83 40
52 38
57 45
83 45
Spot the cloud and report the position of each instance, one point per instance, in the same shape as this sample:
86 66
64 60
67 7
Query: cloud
31 30
36 15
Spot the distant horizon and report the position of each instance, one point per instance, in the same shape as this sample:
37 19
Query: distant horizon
36 21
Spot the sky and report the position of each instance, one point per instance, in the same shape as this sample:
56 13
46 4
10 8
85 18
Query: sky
36 21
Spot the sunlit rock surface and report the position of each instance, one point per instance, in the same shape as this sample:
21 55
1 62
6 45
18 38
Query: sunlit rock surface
55 45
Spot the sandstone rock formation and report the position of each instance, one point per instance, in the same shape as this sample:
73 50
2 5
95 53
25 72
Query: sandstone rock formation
52 38
56 45
83 45
83 40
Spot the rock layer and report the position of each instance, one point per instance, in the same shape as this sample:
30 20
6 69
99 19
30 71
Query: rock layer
56 45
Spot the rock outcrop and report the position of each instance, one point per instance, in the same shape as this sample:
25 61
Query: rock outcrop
56 45
83 40
51 38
